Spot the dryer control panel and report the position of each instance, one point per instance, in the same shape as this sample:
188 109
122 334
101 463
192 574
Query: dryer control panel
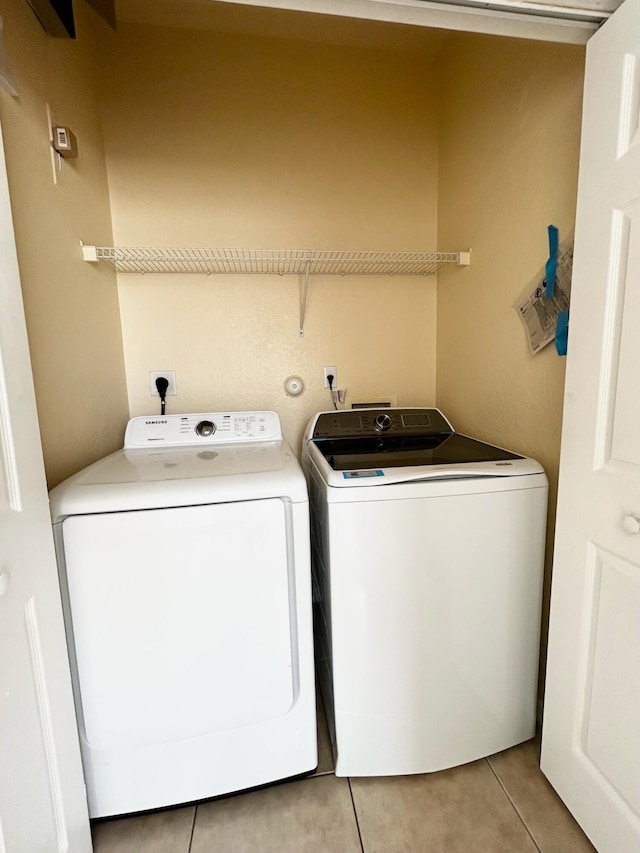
202 428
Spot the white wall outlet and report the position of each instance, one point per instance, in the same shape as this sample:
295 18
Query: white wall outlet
170 375
330 370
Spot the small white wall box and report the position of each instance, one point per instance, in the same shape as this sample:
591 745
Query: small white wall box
64 142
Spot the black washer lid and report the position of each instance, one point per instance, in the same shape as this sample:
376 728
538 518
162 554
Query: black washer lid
396 452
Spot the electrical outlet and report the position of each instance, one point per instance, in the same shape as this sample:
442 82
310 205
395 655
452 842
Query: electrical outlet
169 375
330 370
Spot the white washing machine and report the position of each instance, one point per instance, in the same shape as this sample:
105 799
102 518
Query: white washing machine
185 572
427 558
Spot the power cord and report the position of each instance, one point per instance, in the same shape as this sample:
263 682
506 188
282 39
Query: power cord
331 391
162 384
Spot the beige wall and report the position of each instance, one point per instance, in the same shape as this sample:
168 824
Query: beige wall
238 141
228 140
71 309
509 145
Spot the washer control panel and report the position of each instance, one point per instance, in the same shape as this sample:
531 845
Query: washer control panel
202 428
361 423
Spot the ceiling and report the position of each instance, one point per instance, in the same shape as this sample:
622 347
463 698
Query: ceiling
410 26
281 23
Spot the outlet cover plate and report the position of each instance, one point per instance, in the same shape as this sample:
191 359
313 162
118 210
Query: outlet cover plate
330 370
170 375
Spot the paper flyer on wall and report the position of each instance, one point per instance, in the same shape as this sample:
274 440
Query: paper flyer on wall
539 314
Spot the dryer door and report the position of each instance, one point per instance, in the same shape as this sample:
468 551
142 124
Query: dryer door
181 621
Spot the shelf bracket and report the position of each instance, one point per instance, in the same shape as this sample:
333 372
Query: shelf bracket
89 253
305 290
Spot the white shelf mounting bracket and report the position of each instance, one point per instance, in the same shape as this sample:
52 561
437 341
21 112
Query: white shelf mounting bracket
305 291
89 253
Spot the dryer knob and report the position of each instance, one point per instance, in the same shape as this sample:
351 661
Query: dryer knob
382 422
206 428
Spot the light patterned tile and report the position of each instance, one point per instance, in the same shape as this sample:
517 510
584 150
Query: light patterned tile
462 810
547 818
312 815
167 831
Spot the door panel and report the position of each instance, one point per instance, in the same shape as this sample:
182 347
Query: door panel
9 483
613 674
624 309
591 738
181 620
43 806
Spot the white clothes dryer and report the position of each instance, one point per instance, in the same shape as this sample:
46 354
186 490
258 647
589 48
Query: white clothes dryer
185 574
427 560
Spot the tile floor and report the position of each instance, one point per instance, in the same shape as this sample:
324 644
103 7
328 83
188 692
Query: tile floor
502 804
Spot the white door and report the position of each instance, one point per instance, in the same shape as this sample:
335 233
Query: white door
591 732
42 800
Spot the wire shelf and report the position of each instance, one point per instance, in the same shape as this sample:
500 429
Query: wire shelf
303 262
272 261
